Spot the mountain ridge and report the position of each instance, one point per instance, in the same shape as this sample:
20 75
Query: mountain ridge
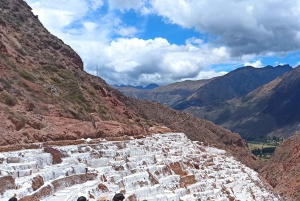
237 83
272 110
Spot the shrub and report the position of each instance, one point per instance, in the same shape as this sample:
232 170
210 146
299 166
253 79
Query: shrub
27 76
50 68
8 99
55 79
18 120
7 84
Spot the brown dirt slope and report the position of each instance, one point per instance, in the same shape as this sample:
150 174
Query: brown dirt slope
46 96
283 170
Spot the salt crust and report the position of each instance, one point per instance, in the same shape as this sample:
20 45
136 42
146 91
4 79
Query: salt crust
141 168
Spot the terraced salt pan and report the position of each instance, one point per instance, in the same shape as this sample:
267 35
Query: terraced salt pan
160 167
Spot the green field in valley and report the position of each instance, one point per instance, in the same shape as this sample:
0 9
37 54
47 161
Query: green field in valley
263 150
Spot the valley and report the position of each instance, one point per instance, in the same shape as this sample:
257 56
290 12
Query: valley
183 141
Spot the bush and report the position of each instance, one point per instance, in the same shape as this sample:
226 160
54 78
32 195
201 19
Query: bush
27 76
8 99
51 68
18 120
55 79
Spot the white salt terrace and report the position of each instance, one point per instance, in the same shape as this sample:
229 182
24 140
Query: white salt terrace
166 167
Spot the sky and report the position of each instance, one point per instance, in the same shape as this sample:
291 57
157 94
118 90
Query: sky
138 42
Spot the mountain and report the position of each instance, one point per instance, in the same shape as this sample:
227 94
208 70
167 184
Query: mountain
271 110
283 170
151 86
46 96
182 95
168 95
234 84
121 87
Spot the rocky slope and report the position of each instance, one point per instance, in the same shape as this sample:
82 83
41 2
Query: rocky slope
44 92
283 171
46 96
158 167
271 110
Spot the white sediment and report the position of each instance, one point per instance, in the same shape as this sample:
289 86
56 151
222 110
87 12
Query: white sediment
139 168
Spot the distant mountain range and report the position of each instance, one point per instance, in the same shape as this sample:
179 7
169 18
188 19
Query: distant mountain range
273 109
148 87
168 95
234 84
208 98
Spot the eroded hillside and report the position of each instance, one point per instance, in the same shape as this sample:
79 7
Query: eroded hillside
283 171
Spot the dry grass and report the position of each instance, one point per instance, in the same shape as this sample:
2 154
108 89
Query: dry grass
8 98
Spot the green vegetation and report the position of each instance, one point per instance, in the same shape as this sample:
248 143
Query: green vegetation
103 112
55 79
66 74
21 51
264 148
50 68
7 83
8 99
76 97
17 119
26 75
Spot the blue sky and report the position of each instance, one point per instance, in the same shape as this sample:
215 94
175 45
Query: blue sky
138 42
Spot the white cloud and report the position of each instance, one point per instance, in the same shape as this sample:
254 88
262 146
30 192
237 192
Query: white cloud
126 4
95 4
126 31
209 74
90 26
237 32
137 61
245 27
256 64
57 14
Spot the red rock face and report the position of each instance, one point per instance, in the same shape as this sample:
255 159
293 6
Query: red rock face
29 198
56 155
37 182
6 182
